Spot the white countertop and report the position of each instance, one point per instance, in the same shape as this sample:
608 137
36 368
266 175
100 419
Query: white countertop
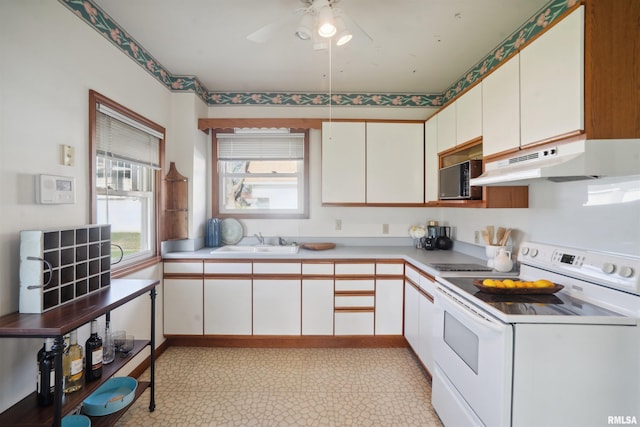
419 257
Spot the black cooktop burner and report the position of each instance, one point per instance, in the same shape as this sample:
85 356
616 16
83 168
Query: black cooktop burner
459 267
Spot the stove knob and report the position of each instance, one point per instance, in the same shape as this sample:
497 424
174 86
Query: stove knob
608 268
534 253
626 272
525 250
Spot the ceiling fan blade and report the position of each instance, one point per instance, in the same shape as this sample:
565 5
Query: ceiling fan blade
267 32
350 23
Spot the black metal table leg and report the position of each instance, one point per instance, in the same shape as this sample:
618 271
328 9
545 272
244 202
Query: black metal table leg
152 399
58 346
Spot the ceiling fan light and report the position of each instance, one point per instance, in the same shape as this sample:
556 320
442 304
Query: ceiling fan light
344 35
304 30
326 25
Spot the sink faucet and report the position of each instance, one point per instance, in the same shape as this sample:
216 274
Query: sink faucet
282 242
260 238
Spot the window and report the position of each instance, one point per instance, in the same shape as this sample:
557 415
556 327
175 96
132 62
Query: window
128 152
261 173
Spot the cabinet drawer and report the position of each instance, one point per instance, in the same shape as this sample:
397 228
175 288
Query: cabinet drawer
354 301
353 269
193 267
389 269
277 268
427 285
412 274
354 285
354 323
227 268
319 269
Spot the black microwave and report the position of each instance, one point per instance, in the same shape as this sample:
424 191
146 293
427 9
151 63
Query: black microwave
454 181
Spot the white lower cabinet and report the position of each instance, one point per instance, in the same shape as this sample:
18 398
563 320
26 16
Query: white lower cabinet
317 307
276 307
227 306
354 322
183 306
412 316
389 307
418 321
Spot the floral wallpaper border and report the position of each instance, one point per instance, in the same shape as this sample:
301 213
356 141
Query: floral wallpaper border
88 11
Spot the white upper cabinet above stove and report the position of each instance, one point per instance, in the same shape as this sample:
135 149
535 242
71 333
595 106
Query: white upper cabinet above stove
552 81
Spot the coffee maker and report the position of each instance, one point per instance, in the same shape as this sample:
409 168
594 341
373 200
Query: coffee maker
433 232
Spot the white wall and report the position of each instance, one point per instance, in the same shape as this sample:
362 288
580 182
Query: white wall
49 60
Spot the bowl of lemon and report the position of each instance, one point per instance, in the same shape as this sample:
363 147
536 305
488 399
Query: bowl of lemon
517 286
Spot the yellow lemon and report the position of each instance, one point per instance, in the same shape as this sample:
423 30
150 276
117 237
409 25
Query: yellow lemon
488 283
520 284
542 283
508 283
498 283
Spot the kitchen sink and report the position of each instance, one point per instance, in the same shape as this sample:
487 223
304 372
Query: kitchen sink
257 249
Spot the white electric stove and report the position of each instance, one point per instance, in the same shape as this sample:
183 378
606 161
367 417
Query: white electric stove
568 358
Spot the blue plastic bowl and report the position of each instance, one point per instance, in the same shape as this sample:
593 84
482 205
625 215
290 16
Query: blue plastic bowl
76 421
115 394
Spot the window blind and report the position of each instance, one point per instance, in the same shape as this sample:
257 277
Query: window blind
123 141
288 146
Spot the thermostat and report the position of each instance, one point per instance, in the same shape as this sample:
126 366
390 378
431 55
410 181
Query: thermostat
52 189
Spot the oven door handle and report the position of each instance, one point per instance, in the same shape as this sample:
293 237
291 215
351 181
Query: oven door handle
469 312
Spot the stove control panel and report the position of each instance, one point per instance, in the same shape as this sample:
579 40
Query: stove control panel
616 271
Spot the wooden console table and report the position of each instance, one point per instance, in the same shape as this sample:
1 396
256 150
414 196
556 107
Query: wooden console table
62 320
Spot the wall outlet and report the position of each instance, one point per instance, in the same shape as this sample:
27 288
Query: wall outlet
385 228
476 237
338 224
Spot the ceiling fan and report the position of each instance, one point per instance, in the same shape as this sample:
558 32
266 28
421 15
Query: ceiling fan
317 20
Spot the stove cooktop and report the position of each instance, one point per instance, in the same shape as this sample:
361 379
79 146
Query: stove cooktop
558 304
459 267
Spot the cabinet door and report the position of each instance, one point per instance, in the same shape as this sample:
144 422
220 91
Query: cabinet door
317 307
343 162
183 302
446 119
431 165
395 166
412 316
389 306
227 306
501 108
276 307
552 81
469 115
425 347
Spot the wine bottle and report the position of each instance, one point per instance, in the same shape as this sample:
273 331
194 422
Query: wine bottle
46 374
72 364
93 349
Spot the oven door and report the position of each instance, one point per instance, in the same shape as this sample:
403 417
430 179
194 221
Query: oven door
473 354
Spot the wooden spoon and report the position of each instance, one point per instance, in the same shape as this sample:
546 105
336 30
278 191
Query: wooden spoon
485 237
505 238
490 233
500 235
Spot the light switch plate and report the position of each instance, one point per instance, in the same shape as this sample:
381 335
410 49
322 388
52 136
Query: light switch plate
68 155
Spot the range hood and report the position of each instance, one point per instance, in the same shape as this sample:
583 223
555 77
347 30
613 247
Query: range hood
571 161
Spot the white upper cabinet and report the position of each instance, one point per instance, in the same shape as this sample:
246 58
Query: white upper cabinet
552 81
501 108
395 162
446 120
469 115
343 162
431 160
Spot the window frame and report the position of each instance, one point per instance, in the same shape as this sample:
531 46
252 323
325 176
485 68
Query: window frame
215 180
154 257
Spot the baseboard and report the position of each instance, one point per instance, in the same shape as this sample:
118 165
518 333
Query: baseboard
138 370
283 341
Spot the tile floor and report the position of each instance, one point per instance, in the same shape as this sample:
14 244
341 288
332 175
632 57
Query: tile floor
210 386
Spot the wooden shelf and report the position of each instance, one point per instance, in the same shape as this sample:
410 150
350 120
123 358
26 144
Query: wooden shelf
62 320
176 210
